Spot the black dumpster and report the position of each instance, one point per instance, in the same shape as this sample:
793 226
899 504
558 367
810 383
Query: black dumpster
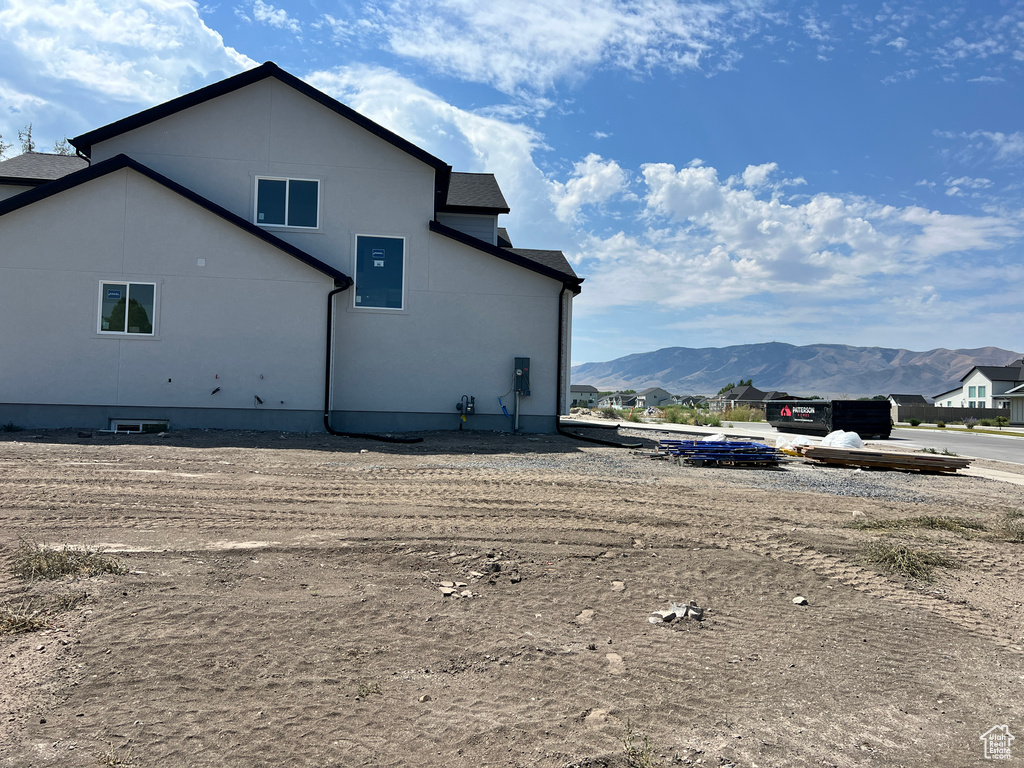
868 418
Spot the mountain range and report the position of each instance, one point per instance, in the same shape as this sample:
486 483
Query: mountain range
828 370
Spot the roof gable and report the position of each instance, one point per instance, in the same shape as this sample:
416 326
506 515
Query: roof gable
85 141
998 372
122 161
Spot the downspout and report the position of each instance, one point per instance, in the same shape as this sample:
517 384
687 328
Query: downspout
327 382
558 384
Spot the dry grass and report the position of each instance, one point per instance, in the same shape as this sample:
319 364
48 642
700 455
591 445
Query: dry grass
1011 528
957 525
33 562
901 559
23 617
113 756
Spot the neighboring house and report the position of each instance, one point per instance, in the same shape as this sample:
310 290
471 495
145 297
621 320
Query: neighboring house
30 170
690 401
744 396
652 397
582 396
257 255
895 401
1015 398
984 386
617 400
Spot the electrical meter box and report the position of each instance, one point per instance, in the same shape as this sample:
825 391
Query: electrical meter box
522 379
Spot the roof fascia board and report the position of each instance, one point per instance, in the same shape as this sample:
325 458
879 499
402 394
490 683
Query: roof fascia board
572 283
22 181
473 209
118 162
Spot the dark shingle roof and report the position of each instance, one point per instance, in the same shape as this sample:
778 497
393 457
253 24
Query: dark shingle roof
39 167
551 264
745 392
475 192
554 259
908 399
504 241
583 388
998 372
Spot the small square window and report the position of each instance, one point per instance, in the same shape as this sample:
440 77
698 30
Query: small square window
380 272
127 308
288 202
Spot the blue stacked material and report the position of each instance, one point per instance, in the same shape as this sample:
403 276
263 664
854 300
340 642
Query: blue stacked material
730 453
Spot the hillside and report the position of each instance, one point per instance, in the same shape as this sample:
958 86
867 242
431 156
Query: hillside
820 369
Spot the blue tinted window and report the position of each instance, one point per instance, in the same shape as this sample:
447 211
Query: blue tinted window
380 267
287 202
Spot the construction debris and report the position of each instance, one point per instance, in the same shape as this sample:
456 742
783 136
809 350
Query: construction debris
729 453
907 462
678 612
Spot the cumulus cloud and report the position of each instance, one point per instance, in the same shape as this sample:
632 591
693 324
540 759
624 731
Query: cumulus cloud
141 51
593 181
532 44
712 240
274 17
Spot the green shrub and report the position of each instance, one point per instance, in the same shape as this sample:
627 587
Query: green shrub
940 424
970 423
986 422
1002 421
914 422
10 426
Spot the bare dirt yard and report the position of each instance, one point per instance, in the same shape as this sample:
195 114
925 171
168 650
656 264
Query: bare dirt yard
283 605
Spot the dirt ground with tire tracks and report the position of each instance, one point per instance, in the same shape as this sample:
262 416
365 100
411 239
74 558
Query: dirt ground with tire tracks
283 606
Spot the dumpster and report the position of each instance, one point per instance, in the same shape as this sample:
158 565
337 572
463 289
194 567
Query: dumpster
868 418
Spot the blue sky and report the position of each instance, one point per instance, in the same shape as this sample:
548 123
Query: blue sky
719 172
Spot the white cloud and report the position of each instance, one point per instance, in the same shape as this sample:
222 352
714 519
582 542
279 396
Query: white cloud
594 181
141 51
757 175
712 241
274 17
899 43
532 44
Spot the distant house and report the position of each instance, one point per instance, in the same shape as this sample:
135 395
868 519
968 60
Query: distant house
895 401
582 396
744 396
617 400
652 397
984 386
1015 397
690 401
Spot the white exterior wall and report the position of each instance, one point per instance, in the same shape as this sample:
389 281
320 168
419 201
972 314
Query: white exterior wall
10 190
218 148
250 321
468 315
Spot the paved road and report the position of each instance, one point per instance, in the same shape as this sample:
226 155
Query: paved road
960 442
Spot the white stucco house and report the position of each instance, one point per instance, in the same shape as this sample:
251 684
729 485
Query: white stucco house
257 255
984 386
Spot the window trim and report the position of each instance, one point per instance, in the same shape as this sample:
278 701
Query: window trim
355 274
287 193
126 334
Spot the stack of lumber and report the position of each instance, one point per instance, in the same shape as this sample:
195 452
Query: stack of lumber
908 462
728 454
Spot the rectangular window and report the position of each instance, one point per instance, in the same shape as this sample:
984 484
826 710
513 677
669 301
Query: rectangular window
380 272
288 202
972 391
127 308
981 391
